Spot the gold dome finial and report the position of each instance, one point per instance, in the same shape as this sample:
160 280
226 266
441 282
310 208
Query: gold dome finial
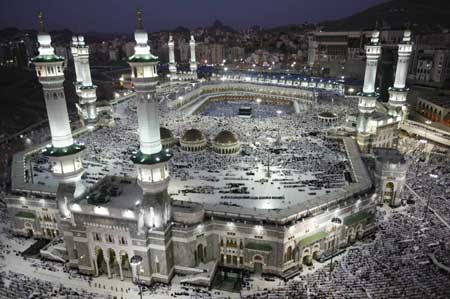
41 21
139 17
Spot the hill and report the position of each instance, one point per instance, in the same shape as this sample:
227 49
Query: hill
419 15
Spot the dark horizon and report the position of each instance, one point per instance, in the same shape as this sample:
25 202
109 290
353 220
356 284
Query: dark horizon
119 17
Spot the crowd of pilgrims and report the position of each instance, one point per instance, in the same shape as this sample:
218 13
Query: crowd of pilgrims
303 147
16 285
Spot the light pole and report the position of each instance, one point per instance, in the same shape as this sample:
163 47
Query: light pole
136 261
434 177
279 112
336 221
258 101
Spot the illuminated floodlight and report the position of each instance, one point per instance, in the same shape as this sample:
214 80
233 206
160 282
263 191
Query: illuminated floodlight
128 214
259 229
101 210
76 207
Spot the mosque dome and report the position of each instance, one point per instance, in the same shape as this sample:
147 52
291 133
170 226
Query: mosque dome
167 139
192 135
226 137
226 142
165 133
193 140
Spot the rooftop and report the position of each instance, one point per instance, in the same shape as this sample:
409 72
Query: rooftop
114 192
439 100
389 155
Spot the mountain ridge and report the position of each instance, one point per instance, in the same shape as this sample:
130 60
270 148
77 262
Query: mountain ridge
419 15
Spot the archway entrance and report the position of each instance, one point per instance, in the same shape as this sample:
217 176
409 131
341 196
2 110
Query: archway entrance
29 233
350 239
359 234
126 267
316 255
258 268
113 265
258 265
49 233
389 193
101 264
200 257
307 260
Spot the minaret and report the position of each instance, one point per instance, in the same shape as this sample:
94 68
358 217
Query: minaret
84 87
76 62
63 153
398 93
172 65
368 97
151 160
312 51
193 62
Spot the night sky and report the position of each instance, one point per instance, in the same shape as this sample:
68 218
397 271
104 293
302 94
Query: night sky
119 15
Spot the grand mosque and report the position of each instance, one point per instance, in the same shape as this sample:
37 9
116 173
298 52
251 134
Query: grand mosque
192 186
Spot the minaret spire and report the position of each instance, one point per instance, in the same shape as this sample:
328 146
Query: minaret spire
140 25
41 21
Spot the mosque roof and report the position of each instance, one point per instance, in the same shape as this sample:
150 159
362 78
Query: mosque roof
192 135
226 137
389 155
